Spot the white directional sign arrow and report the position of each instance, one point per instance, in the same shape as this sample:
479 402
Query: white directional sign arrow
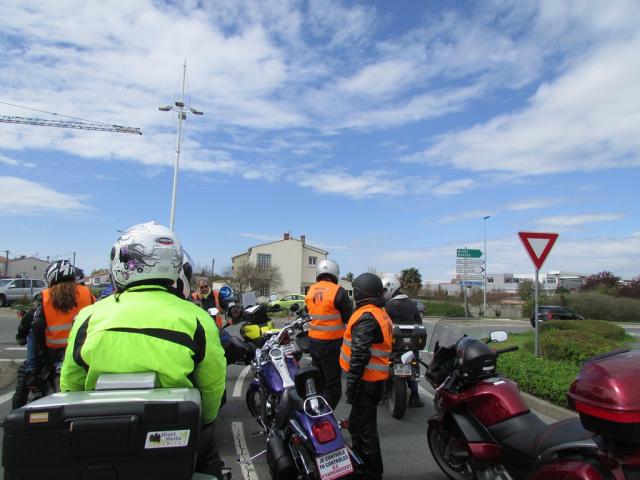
463 268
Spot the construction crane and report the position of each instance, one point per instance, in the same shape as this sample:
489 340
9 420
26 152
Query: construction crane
103 127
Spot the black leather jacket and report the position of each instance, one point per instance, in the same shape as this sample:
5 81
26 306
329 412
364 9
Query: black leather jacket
364 333
403 310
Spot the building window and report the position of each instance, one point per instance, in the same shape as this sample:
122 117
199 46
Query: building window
313 261
489 280
264 260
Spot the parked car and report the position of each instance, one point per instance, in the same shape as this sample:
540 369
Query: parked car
285 303
15 289
550 312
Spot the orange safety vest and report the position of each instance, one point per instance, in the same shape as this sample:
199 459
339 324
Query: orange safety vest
326 321
378 367
59 323
218 317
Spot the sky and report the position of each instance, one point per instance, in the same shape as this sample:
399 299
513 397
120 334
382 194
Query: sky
383 131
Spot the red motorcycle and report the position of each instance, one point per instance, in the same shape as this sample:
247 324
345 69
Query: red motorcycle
483 430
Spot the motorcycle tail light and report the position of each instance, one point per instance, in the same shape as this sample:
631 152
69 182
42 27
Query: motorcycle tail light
296 439
324 431
344 423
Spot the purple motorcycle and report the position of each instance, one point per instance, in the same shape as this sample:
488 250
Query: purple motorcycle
303 437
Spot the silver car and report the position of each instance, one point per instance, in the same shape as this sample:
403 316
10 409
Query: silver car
17 289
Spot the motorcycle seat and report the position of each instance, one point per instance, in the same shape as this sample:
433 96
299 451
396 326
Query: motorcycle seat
289 401
531 437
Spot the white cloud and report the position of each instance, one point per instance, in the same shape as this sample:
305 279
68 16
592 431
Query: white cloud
457 217
453 187
24 197
577 220
355 186
584 121
533 204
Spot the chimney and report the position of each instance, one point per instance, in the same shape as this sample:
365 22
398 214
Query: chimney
286 236
303 238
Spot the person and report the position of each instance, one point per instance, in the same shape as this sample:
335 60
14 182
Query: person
330 308
24 327
47 333
144 326
402 310
207 298
364 356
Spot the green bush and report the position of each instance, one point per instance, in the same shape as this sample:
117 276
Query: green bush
600 328
573 346
593 305
443 309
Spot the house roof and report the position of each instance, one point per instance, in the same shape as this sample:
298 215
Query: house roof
310 247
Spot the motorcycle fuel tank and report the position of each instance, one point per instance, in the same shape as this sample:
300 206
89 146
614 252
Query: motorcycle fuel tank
273 379
496 399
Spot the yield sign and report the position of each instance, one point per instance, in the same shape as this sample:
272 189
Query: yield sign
538 245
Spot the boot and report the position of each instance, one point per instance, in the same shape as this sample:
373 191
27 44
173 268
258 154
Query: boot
414 400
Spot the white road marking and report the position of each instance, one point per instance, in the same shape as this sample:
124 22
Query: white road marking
237 388
6 397
423 391
16 348
246 466
12 359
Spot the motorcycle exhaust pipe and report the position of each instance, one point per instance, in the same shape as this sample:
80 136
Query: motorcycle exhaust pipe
279 459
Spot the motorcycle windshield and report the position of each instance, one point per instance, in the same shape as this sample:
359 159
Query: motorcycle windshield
448 331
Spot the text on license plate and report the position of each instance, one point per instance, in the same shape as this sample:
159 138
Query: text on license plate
335 464
401 369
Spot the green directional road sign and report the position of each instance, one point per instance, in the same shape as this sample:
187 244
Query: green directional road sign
469 253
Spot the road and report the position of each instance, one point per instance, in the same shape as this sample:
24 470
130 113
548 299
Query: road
403 442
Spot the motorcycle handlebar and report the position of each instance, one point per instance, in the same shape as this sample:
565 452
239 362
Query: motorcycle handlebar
500 351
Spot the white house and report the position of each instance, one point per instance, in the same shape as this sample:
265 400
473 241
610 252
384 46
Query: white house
296 260
27 267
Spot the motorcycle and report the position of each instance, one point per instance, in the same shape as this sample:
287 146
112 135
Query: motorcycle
45 382
404 366
483 429
303 437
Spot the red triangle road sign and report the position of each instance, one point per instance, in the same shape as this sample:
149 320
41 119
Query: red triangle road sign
538 245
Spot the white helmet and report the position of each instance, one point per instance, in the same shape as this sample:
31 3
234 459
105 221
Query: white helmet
391 284
147 251
330 268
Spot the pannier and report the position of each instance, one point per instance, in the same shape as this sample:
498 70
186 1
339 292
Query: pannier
409 337
606 394
123 434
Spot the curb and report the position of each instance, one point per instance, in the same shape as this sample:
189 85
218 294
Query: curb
548 409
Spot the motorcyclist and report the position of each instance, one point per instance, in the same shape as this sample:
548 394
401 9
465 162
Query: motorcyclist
208 298
146 327
365 358
330 308
402 310
46 339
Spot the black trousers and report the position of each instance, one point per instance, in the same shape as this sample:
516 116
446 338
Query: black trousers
325 355
363 427
209 460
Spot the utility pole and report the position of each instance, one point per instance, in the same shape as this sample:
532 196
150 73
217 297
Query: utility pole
74 259
181 108
213 261
484 296
6 263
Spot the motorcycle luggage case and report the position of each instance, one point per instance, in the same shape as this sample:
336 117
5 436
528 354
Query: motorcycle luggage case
119 434
409 337
606 394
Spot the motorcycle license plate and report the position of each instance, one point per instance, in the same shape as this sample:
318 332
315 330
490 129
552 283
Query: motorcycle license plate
402 369
336 464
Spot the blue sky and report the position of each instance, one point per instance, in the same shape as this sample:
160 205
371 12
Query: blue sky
383 131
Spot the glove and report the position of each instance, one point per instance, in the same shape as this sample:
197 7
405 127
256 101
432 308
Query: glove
22 341
351 393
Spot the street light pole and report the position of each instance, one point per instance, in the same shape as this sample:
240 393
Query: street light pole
182 109
484 296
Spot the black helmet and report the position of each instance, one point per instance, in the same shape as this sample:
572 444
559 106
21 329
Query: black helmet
367 287
60 271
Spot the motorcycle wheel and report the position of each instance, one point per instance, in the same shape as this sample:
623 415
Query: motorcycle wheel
397 398
253 400
450 453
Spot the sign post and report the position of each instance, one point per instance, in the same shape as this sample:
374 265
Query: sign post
538 245
470 267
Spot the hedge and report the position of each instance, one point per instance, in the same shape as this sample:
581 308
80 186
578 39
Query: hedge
593 305
443 309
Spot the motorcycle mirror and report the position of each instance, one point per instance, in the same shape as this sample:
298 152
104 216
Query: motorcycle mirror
408 357
213 311
499 336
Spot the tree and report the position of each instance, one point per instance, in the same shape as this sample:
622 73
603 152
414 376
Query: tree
603 282
526 290
348 277
411 281
99 271
247 276
631 289
495 301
